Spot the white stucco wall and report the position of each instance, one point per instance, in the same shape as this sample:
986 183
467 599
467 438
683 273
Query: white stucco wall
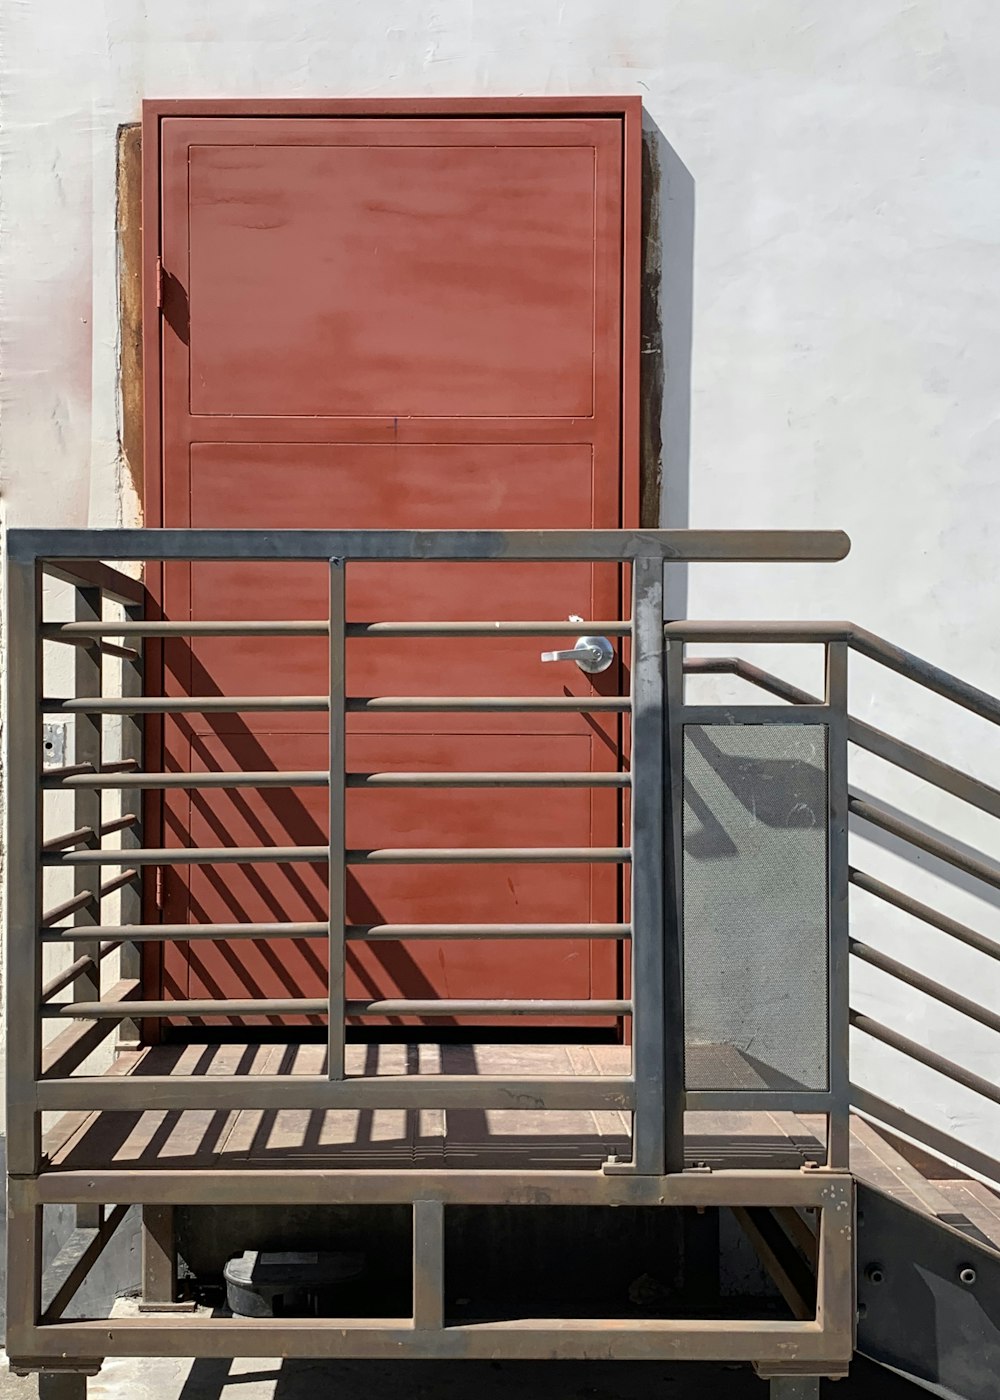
843 167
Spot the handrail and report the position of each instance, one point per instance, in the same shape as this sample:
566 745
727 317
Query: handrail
970 697
65 549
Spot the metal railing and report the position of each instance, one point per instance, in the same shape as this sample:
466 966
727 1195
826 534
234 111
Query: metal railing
45 1077
913 837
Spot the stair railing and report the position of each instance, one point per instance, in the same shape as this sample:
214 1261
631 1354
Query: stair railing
964 786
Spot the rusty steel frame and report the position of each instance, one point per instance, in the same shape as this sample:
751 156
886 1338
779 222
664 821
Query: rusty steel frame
653 1092
821 1342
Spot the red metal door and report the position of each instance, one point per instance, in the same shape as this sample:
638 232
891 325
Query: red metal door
377 321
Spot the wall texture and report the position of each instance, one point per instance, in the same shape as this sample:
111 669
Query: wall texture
830 300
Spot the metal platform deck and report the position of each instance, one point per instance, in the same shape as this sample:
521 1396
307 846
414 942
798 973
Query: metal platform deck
463 1139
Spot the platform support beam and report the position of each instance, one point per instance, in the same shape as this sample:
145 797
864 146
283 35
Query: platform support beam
159 1256
428 1265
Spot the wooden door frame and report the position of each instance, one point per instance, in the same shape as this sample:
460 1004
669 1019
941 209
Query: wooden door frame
628 110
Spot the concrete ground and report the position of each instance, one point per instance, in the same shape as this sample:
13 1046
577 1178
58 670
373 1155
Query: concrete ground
452 1380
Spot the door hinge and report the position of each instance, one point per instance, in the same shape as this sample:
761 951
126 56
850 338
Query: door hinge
159 283
158 888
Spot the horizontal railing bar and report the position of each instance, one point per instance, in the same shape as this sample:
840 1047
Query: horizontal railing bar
488 704
312 855
725 713
419 546
305 704
82 632
320 777
115 1010
356 933
753 631
85 964
89 571
313 1006
975 1082
759 1100
980 702
487 629
166 933
86 833
492 855
932 845
937 920
65 631
85 898
374 933
499 779
927 985
197 855
306 1091
178 704
401 1006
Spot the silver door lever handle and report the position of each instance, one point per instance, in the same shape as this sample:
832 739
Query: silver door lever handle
591 654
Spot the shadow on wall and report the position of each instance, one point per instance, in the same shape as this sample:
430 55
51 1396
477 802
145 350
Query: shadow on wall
666 330
116 1273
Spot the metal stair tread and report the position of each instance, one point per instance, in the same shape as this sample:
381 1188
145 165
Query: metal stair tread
971 1202
878 1164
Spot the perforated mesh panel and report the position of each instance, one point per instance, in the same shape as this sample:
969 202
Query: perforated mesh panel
755 906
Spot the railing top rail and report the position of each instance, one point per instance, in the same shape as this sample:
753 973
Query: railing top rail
980 702
752 630
776 546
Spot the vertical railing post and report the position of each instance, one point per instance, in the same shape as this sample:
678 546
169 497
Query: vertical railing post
657 1022
673 919
24 875
838 878
132 748
87 806
337 873
428 1265
88 748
